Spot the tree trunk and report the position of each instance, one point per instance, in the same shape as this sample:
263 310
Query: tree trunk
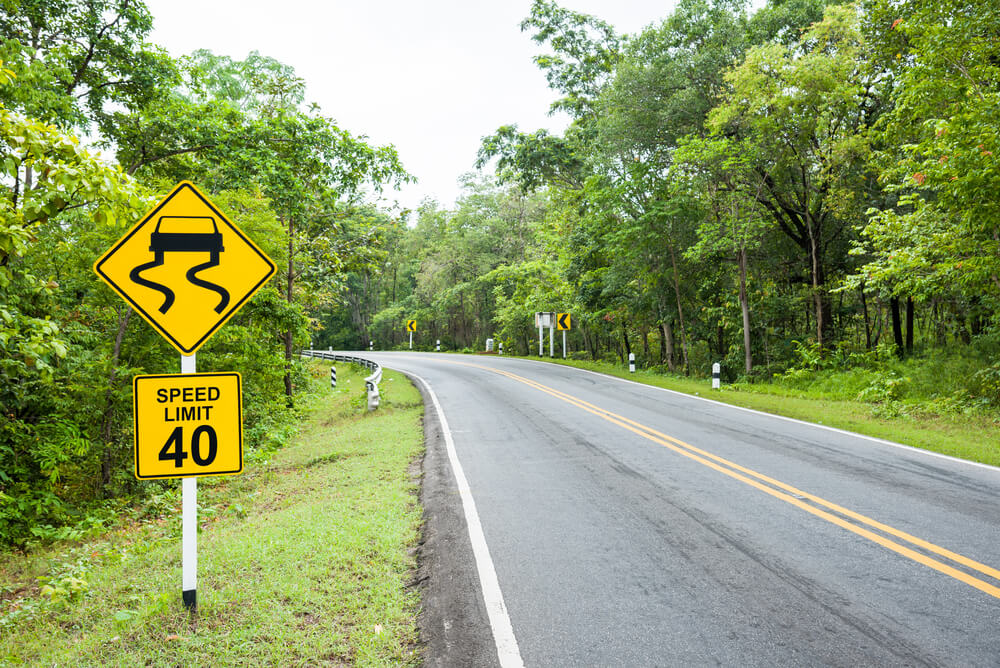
909 325
680 311
745 308
897 328
668 344
627 345
106 421
817 286
868 330
289 335
941 333
663 345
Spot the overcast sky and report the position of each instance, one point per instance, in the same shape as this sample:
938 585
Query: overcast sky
430 77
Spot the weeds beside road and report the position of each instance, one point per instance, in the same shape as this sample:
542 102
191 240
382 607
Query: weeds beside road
307 558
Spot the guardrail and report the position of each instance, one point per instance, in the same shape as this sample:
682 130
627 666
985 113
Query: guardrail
371 382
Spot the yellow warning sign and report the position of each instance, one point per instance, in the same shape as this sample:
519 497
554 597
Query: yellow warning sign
411 325
185 268
188 424
563 321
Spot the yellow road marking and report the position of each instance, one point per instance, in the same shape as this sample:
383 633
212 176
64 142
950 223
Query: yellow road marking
746 475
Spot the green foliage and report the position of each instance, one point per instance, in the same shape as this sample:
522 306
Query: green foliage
293 180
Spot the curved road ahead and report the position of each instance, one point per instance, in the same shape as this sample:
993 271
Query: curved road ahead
628 525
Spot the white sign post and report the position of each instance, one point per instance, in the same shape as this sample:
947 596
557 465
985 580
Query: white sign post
545 319
631 362
716 376
189 521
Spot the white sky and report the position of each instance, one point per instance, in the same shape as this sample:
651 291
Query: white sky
432 78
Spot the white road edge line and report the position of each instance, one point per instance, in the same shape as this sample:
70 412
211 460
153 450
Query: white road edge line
503 633
873 439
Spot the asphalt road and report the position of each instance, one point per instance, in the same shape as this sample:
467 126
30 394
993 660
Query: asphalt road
630 526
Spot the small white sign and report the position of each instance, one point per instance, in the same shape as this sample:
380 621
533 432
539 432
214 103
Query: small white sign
545 319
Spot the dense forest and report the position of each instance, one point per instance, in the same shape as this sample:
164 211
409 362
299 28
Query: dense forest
799 187
97 124
806 185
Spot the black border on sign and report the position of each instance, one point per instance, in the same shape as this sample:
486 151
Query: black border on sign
135 421
148 318
559 323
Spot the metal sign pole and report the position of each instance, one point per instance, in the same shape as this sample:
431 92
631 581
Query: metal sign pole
564 344
539 339
552 349
411 340
189 522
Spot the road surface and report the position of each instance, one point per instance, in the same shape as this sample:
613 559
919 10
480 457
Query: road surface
625 525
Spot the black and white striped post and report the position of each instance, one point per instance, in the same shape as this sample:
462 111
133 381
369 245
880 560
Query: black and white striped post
438 348
716 376
333 377
371 345
501 347
631 362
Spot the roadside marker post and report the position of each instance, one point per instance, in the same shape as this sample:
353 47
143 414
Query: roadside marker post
371 345
438 347
501 348
186 269
631 362
716 376
333 377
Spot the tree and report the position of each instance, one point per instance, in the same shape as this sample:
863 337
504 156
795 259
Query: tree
939 233
801 111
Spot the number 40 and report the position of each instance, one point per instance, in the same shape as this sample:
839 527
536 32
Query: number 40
174 447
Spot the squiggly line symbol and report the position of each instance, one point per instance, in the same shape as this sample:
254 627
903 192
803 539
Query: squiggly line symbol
183 242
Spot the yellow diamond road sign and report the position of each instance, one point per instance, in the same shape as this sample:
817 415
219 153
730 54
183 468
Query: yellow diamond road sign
188 424
185 268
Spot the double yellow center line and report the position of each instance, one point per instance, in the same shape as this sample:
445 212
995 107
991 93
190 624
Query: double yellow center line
844 518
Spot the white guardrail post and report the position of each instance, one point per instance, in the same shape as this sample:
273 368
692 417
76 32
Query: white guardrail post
371 382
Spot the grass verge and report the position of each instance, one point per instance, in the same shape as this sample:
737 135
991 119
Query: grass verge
305 559
974 437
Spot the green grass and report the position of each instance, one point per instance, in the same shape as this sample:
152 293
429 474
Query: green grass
971 435
307 558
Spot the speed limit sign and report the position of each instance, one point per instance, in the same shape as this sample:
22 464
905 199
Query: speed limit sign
188 425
